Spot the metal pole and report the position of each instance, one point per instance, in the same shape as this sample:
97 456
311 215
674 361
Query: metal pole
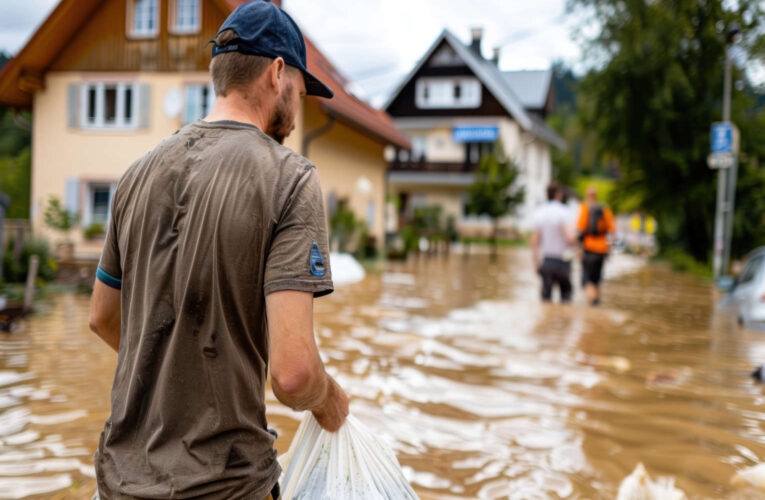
730 212
724 206
719 236
732 172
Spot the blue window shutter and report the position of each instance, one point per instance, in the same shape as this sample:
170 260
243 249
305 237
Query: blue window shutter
72 201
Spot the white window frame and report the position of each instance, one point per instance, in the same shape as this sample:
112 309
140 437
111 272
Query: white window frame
177 16
99 122
200 110
438 93
133 18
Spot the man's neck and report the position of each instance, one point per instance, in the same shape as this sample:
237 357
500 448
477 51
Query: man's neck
236 108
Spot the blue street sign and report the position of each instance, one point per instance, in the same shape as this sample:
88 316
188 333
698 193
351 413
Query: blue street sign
722 137
475 134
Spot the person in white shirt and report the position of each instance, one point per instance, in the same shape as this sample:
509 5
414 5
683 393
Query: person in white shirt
551 242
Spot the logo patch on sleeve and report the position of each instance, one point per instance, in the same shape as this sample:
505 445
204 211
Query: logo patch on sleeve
317 262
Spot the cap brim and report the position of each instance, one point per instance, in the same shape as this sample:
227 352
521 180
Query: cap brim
314 86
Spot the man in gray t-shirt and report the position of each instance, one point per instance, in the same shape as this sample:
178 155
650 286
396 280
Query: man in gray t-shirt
216 248
551 240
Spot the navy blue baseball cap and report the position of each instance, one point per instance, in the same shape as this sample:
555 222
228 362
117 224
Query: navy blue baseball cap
263 29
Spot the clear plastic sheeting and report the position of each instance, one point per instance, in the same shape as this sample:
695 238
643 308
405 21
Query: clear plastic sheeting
350 464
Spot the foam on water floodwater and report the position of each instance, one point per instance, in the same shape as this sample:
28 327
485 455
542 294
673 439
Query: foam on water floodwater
482 391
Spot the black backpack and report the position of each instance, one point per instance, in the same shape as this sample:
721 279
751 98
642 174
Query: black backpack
593 224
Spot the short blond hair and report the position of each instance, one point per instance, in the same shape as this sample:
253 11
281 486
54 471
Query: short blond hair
232 70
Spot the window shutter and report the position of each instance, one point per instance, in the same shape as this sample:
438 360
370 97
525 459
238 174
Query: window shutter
211 98
190 104
73 105
144 105
71 200
112 190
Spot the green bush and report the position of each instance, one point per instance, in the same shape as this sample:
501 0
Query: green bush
16 271
57 217
426 223
94 230
685 262
343 226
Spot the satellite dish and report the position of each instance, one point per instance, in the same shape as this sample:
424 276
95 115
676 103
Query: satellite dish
172 103
364 185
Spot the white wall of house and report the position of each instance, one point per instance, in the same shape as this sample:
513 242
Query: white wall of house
434 136
80 160
79 149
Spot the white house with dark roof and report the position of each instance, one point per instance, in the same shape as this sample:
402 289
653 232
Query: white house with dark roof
453 106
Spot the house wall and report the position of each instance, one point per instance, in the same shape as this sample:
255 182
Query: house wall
343 157
63 155
405 103
530 154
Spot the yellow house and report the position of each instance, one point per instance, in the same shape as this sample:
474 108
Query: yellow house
109 79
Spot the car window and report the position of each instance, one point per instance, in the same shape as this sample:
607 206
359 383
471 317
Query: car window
751 269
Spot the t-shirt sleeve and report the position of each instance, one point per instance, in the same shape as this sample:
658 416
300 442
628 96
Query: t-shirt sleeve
298 257
109 269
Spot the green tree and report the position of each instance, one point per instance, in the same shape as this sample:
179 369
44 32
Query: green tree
494 192
15 182
15 165
344 226
57 217
655 90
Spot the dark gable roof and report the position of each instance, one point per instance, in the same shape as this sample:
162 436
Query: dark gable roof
62 23
494 80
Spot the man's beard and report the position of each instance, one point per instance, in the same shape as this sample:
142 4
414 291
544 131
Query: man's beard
281 123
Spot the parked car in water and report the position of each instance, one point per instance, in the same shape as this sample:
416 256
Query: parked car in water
746 293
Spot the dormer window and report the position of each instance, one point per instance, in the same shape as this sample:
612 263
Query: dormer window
143 18
185 16
448 93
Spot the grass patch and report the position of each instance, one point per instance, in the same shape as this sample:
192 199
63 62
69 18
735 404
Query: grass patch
501 242
684 262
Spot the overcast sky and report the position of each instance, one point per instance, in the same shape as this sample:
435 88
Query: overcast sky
377 42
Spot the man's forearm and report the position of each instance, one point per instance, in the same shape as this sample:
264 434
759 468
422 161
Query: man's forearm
105 314
109 334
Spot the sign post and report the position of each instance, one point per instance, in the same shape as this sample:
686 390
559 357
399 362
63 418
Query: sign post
724 145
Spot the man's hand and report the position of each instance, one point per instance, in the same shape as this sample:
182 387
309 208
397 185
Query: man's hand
331 415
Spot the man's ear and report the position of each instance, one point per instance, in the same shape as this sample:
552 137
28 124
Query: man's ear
277 72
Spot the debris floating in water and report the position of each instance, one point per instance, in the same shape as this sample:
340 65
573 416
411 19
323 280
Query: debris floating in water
640 486
345 269
751 476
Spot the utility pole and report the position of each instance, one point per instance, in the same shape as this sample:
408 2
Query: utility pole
726 177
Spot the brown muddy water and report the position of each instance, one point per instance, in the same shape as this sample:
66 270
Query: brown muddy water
482 391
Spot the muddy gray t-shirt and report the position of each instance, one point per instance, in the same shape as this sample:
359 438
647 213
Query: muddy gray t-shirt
202 228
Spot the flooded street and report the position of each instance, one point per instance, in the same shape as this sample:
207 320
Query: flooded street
483 392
